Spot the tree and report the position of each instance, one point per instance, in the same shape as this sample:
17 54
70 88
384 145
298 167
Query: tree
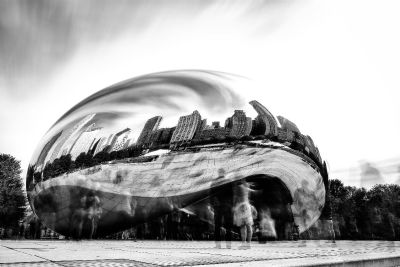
100 157
12 198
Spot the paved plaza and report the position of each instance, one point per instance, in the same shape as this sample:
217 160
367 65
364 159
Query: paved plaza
195 253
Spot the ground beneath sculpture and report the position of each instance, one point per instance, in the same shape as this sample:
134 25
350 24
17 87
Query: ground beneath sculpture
191 253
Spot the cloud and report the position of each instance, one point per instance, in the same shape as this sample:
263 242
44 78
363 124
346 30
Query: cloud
37 38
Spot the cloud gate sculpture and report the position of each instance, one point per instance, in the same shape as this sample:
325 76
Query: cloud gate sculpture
143 149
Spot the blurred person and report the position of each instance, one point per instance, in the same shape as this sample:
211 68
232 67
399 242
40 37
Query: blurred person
77 218
93 211
21 228
304 202
175 225
243 213
222 203
87 213
267 226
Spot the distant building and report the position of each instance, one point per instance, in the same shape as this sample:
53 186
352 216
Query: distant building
150 126
46 149
288 125
239 124
84 141
186 128
67 139
119 140
271 126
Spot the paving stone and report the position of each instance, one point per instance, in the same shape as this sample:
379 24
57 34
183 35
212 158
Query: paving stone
191 253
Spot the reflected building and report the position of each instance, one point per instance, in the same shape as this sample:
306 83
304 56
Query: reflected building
258 126
239 125
288 125
216 133
47 148
150 126
67 139
271 126
161 137
85 141
186 128
105 144
99 145
120 140
215 125
203 125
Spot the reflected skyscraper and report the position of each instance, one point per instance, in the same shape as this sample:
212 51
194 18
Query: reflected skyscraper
271 127
120 140
150 126
288 125
47 148
84 141
239 125
67 139
186 128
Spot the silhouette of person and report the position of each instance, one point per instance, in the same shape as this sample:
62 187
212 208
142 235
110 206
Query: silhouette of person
222 202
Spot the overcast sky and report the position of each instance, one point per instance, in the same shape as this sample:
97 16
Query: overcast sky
332 67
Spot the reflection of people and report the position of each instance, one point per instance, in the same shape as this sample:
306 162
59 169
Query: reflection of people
222 203
88 211
243 213
94 211
175 224
304 201
267 225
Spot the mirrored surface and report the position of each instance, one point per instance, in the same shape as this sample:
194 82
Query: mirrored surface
178 150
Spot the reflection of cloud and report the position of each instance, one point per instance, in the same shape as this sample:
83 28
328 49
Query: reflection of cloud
173 91
168 94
